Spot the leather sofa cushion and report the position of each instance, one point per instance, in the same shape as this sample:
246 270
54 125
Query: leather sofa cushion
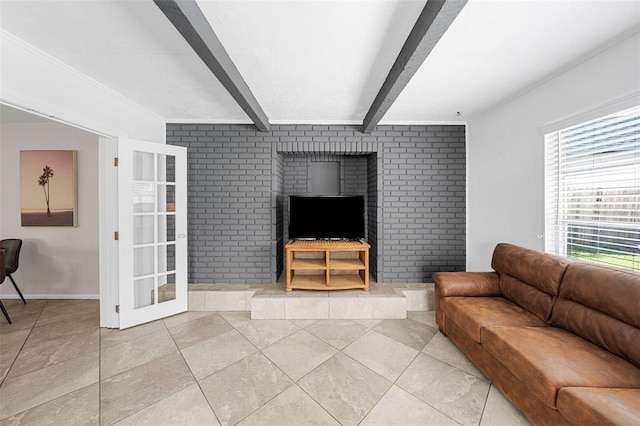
596 406
528 297
467 283
603 306
529 278
540 270
549 358
472 314
611 291
603 330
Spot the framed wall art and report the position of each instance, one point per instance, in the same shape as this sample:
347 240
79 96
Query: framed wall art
49 188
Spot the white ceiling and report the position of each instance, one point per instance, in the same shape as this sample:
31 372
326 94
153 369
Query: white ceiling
320 61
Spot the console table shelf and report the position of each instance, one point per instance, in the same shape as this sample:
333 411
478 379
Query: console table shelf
327 265
309 264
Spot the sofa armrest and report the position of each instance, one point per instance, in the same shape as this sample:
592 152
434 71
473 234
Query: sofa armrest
467 283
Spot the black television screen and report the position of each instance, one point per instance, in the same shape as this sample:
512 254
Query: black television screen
320 217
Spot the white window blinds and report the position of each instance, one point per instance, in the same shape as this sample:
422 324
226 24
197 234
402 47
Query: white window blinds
592 190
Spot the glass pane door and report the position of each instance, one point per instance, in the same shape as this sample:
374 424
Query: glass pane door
154 252
154 228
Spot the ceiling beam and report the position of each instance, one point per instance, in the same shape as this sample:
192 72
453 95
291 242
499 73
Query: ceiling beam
432 23
188 19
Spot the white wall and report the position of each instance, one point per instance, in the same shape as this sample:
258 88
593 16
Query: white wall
60 261
505 149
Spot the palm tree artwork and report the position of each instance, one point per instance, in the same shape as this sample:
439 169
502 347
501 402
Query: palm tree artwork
43 181
52 173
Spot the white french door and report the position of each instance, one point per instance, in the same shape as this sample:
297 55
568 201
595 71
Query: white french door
152 222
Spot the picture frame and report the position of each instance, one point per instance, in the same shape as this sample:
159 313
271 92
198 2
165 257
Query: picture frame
49 188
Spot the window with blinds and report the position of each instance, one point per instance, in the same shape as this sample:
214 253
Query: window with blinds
592 190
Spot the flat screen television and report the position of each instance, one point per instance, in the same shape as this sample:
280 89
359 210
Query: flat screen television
326 217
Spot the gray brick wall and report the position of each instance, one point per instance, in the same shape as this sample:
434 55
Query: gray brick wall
295 183
413 176
373 211
423 202
229 202
355 175
278 213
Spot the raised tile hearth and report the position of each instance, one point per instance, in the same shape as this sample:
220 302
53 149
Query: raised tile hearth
271 301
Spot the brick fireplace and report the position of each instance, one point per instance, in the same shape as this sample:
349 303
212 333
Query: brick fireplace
414 179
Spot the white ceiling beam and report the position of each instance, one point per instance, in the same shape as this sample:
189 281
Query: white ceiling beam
432 23
188 19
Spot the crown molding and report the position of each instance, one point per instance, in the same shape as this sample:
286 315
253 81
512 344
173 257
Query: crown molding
6 36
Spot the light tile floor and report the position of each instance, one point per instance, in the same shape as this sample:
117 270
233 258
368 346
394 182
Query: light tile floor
58 367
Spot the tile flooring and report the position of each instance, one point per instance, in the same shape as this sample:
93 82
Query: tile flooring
58 367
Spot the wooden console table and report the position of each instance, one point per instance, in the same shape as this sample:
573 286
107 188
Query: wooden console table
327 265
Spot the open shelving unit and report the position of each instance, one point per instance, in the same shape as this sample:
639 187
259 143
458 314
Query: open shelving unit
327 265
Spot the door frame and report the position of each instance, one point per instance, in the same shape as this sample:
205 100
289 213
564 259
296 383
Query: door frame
108 212
108 252
107 226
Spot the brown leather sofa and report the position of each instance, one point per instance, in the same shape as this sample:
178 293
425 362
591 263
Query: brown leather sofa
560 338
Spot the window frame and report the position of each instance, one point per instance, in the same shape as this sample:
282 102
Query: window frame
558 219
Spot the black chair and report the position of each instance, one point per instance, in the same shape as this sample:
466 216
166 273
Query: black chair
11 260
2 275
